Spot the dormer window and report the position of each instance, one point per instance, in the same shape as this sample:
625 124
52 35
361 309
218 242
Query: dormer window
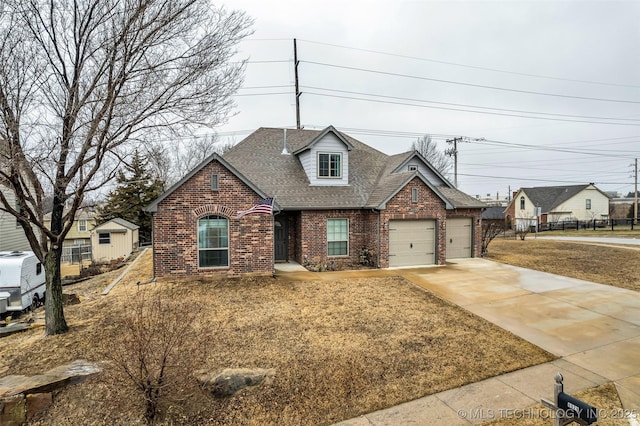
329 165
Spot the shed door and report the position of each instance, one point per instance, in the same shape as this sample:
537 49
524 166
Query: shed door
412 242
459 237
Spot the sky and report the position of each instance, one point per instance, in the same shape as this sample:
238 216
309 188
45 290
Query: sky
541 93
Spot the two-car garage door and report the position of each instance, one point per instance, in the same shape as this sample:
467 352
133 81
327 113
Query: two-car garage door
412 242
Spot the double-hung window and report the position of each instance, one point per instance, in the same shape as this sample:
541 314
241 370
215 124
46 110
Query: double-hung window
213 242
588 204
337 237
104 238
82 225
329 165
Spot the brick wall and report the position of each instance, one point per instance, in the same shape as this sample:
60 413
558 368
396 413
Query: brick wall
429 206
175 226
312 230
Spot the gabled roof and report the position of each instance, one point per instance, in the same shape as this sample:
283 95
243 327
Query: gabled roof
259 161
550 197
416 154
153 207
118 220
321 135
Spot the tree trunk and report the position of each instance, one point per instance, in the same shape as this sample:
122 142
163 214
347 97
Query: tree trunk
54 314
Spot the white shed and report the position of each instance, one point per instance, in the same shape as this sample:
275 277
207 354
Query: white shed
113 239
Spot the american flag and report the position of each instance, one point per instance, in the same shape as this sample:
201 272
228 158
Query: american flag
263 207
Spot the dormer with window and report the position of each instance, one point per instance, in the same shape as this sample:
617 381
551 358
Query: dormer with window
326 159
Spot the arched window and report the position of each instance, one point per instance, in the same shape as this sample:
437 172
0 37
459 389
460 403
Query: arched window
213 242
521 203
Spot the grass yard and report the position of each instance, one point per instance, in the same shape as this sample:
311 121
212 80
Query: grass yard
605 265
339 349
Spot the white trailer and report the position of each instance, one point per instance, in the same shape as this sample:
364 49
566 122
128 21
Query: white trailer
22 277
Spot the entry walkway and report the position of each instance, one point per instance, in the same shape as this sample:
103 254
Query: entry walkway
594 328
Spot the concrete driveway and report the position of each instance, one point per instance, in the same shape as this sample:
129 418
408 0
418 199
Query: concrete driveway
593 328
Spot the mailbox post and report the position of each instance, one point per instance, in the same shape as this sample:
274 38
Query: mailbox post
569 409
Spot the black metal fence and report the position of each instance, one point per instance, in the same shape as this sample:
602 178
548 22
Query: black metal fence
572 225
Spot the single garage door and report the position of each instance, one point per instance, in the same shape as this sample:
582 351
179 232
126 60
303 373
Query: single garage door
459 241
412 242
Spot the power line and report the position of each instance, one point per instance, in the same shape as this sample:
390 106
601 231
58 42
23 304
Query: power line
471 111
470 106
482 86
472 66
540 180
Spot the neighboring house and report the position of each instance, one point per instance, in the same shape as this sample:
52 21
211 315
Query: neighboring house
76 246
114 239
335 199
80 232
493 214
12 237
556 204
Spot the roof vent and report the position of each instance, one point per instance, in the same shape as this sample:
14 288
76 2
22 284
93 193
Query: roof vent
284 144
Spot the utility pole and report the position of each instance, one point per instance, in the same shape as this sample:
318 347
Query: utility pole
635 194
453 152
295 67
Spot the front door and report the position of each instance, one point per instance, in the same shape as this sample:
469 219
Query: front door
281 240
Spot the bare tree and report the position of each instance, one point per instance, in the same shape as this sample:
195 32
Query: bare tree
429 150
83 80
490 230
172 161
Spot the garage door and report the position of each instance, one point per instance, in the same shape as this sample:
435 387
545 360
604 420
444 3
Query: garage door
459 241
412 242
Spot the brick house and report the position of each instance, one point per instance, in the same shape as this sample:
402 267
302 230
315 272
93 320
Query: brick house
337 201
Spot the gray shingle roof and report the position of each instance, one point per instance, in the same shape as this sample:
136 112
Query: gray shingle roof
459 199
549 197
258 160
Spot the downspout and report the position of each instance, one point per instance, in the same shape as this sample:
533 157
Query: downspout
379 236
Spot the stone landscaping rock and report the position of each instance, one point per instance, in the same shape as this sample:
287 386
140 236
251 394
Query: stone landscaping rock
13 410
24 397
38 403
232 380
53 379
70 299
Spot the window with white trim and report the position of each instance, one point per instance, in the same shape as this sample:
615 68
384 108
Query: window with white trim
337 237
213 242
329 165
82 225
588 204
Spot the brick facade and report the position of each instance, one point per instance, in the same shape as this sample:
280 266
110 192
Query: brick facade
429 206
312 241
175 226
251 238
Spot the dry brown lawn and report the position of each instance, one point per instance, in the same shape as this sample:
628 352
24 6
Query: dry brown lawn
340 349
602 264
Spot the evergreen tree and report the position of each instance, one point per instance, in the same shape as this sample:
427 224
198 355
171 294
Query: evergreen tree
136 189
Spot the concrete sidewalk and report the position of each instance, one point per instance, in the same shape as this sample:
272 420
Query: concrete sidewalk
594 328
